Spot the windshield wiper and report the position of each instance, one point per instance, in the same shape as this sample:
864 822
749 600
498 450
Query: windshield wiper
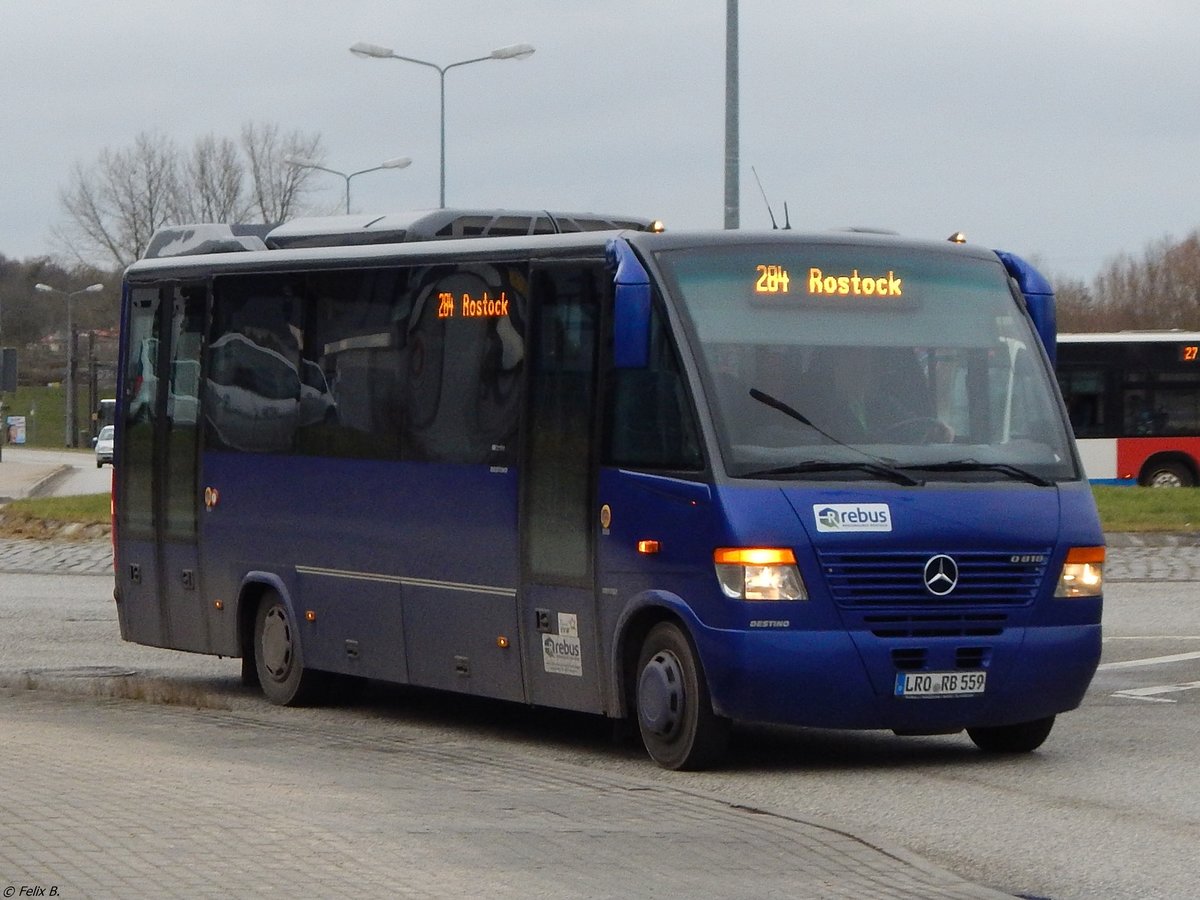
872 465
878 469
974 465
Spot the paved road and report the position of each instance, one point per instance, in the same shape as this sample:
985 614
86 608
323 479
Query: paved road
210 791
26 472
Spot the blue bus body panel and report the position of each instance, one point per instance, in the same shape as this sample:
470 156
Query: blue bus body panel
389 563
832 660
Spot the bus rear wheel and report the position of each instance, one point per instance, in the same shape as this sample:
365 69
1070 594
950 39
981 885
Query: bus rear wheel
674 710
278 656
1024 737
1167 474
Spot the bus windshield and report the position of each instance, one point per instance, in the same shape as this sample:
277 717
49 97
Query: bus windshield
825 360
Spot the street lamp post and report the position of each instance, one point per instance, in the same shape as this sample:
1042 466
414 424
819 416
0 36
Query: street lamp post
374 51
400 162
72 439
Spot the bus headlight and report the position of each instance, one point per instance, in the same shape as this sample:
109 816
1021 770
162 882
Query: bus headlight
757 573
1082 574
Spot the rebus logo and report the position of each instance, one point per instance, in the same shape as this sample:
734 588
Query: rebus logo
852 517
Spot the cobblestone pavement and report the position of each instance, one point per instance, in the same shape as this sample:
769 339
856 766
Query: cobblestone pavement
111 798
1130 557
56 557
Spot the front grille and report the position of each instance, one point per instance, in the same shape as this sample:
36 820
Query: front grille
914 659
882 579
934 626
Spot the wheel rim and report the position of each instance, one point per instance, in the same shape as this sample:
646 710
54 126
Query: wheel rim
661 697
276 644
1166 479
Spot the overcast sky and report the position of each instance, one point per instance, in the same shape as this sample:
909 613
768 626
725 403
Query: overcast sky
1068 131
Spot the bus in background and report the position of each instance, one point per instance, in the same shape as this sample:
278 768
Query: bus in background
1134 402
684 479
106 414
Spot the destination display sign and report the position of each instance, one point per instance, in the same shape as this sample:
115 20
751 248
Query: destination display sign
467 306
773 282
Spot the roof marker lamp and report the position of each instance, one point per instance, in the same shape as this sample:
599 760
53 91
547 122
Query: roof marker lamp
1082 574
759 573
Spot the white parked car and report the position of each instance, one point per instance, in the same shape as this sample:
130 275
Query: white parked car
104 446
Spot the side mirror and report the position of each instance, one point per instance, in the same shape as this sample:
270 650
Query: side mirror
631 307
1039 300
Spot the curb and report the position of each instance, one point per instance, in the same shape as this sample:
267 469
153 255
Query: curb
1123 539
44 484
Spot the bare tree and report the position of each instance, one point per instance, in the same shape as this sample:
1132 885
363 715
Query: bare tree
1160 290
1074 304
216 176
115 205
278 187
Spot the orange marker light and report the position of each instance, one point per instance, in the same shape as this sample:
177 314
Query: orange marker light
648 546
502 642
754 556
310 616
1085 555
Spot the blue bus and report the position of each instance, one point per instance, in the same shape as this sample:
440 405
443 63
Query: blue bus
682 479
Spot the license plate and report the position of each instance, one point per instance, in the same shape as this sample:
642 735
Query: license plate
939 684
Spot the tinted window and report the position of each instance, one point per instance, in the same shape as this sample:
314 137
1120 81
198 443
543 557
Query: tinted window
418 363
141 410
649 418
252 390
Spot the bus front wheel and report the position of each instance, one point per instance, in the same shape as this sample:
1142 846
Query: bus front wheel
1024 737
278 657
674 711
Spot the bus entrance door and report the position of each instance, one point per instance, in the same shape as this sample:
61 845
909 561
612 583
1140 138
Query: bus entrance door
558 600
158 571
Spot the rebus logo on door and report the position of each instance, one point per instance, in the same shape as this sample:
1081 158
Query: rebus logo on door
848 517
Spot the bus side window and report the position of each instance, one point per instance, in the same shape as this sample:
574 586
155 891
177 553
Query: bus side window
648 416
466 352
252 388
1084 393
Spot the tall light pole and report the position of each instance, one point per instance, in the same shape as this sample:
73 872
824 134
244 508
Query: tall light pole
72 439
732 188
400 162
374 51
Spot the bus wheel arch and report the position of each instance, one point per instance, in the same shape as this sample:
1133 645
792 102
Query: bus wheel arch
667 694
1168 470
251 596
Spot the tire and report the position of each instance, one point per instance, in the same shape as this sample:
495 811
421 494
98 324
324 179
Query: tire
1024 737
279 657
1168 474
674 711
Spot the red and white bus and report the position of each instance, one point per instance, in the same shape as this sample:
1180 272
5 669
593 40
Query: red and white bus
1134 402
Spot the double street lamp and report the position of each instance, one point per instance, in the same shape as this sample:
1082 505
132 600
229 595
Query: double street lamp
374 51
300 162
72 439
